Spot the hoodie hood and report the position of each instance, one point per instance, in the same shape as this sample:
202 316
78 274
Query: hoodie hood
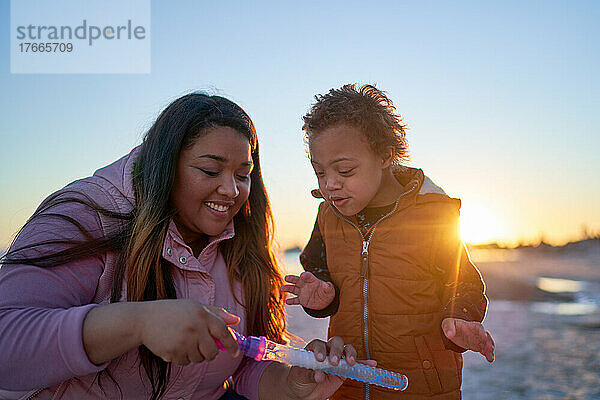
119 176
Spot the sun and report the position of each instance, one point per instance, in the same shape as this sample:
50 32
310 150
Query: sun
479 225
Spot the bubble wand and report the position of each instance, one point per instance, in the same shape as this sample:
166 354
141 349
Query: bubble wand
262 349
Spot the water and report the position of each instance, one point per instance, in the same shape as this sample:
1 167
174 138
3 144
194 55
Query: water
292 264
564 308
587 296
557 285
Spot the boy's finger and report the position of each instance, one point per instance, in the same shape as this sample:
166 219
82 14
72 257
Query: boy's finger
328 287
292 279
307 276
350 354
370 363
289 288
490 339
490 348
336 349
292 301
319 348
449 327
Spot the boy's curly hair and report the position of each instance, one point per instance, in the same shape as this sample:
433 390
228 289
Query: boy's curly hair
366 108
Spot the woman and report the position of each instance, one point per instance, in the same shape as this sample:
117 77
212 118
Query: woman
119 283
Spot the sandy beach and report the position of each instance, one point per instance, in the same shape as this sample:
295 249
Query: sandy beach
547 341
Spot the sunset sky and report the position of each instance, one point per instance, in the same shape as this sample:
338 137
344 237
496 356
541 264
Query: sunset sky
502 100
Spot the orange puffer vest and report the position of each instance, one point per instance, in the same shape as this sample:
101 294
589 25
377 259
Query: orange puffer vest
390 301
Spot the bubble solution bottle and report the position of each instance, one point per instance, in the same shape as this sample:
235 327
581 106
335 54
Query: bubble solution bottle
262 349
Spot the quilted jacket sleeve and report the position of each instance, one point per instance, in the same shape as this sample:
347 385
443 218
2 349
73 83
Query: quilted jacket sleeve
462 290
314 259
42 309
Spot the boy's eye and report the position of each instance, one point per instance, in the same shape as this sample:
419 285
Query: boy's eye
319 173
346 171
243 178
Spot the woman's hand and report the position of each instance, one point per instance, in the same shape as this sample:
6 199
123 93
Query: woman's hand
182 331
311 292
308 384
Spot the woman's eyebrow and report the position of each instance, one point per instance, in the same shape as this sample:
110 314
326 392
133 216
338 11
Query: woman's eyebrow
223 159
213 157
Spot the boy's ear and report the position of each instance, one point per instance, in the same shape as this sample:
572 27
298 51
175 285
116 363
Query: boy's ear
387 160
316 193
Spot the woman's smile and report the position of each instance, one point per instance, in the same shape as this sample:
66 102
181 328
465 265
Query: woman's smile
219 209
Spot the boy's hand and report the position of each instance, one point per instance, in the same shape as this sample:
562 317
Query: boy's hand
469 335
310 291
306 384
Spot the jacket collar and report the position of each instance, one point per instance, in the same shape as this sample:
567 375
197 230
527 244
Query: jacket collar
176 251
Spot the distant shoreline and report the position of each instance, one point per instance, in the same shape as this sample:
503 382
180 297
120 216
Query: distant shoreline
587 244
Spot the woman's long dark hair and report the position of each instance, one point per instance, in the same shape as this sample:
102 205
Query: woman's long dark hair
140 234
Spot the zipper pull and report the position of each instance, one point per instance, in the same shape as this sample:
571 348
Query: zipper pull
365 254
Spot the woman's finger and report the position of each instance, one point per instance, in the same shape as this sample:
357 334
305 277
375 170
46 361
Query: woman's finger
319 376
196 356
181 360
207 346
299 378
227 317
217 324
227 340
166 358
214 329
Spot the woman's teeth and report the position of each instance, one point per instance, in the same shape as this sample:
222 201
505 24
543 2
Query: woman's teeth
217 207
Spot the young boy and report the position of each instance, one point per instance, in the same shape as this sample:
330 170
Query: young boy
385 259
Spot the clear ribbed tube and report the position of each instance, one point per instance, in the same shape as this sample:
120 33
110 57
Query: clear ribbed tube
260 348
359 372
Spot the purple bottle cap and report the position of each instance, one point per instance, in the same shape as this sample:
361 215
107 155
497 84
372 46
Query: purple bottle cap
252 346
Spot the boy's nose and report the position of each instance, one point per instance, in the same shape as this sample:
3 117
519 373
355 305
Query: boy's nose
333 184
